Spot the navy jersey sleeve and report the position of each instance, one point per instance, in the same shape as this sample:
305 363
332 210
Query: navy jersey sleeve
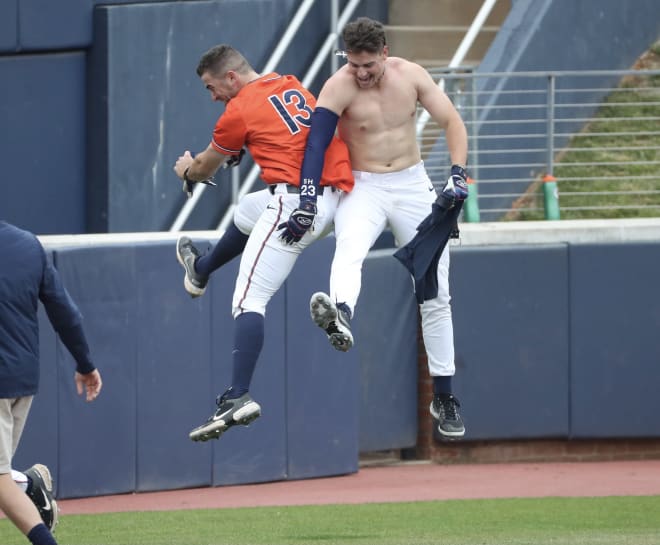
65 317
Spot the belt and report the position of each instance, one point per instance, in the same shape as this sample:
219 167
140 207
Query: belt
294 188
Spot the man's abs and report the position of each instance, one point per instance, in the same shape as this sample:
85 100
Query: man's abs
383 150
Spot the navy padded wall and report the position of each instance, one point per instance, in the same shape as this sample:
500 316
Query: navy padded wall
322 384
615 320
256 453
102 281
173 370
146 91
44 24
49 194
385 329
511 331
8 25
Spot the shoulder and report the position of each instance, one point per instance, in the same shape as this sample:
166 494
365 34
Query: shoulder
408 68
338 91
16 235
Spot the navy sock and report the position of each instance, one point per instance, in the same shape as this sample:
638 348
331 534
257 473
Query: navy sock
346 309
248 341
442 386
227 248
40 535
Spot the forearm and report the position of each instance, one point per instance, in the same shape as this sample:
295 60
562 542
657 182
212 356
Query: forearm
202 169
323 127
457 141
201 166
74 339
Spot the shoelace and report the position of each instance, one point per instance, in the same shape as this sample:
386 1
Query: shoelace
449 405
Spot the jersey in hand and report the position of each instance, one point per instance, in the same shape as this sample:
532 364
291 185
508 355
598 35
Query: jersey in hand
271 116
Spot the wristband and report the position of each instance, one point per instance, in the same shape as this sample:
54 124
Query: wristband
459 170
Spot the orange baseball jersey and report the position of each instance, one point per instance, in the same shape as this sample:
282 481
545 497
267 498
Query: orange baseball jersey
271 116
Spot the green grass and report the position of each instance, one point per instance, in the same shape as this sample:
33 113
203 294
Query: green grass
542 521
627 190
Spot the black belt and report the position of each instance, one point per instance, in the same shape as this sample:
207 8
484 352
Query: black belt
293 188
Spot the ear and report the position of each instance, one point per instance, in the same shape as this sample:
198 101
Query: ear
386 51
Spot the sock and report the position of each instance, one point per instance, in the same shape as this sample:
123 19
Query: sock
248 341
346 309
227 248
40 535
21 479
442 386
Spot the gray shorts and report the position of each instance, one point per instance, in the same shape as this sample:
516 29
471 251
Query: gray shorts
13 414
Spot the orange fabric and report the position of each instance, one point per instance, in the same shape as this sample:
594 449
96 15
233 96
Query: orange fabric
271 116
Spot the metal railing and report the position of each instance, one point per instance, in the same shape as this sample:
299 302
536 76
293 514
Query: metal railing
589 139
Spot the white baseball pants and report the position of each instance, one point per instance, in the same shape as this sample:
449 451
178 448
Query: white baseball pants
266 261
401 199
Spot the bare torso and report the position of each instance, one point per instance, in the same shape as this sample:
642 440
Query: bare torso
378 124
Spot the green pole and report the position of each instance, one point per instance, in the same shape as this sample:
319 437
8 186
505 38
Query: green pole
551 197
471 205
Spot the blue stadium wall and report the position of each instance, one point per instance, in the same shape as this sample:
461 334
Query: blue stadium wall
100 98
553 340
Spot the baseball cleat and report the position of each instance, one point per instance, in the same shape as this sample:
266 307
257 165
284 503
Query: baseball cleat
445 410
186 254
40 491
241 410
336 322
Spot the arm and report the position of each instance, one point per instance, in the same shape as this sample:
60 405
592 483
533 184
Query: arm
202 166
443 112
67 322
441 109
65 318
330 105
324 123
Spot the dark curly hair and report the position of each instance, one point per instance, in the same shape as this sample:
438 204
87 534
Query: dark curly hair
364 34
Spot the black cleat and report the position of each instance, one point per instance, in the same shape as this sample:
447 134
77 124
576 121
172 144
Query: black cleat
40 491
186 254
241 410
336 322
444 408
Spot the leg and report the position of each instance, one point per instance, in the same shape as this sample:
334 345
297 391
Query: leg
359 220
18 507
437 327
265 265
199 267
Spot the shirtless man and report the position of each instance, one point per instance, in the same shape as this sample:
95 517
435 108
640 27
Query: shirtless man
372 101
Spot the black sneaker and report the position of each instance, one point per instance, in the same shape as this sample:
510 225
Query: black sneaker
186 254
241 410
336 322
40 491
445 410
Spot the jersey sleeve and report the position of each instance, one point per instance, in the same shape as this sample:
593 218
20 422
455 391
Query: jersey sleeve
230 131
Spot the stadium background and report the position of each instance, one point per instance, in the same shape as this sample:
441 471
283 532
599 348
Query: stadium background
556 339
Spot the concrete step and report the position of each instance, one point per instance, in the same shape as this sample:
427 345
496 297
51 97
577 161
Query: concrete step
444 12
436 42
429 31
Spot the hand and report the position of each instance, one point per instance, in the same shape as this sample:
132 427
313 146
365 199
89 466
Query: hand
90 383
234 160
456 188
299 222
